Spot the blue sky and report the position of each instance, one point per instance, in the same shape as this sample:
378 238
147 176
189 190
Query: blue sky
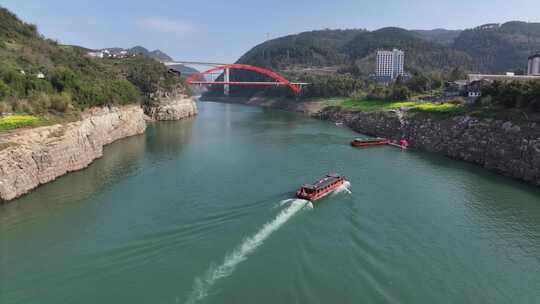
218 30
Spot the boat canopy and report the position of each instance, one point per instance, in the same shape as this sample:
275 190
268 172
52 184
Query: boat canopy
328 180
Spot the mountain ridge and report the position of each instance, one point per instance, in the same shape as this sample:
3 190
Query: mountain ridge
492 48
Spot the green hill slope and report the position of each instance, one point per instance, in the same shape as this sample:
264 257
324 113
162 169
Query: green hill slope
490 48
441 36
38 75
346 48
500 48
421 55
316 48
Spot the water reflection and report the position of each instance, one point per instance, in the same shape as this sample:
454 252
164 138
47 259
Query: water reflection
121 159
168 138
489 204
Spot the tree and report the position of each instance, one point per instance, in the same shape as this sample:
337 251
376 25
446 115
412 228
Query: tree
4 90
418 83
400 92
457 74
524 95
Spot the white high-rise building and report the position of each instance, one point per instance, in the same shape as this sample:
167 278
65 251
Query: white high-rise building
534 65
390 64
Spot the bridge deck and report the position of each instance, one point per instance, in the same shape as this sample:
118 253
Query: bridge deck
246 83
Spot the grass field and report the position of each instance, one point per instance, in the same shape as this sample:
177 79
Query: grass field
413 106
442 108
18 121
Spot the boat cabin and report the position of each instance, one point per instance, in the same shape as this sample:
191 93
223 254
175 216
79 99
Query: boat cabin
321 187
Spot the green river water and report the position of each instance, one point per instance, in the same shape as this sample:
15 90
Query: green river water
201 211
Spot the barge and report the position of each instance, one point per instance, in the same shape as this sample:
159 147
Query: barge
365 142
371 142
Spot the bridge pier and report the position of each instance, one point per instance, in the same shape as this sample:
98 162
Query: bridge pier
226 78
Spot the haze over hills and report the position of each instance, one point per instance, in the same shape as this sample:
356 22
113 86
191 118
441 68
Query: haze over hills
490 48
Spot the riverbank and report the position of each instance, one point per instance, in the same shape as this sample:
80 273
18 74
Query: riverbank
221 188
510 148
32 157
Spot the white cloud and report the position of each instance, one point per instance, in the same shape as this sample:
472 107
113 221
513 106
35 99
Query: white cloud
166 25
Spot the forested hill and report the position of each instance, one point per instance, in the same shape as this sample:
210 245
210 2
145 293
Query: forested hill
316 48
39 75
353 49
491 48
441 36
500 48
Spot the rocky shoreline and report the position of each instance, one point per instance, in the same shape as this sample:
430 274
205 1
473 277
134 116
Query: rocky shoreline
32 157
506 147
170 106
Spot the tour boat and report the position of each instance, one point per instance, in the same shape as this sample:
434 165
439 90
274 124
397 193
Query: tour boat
364 142
321 188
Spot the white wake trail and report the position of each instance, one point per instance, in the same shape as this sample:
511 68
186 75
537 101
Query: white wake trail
346 187
241 253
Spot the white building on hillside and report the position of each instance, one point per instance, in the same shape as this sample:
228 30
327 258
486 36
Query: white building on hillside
534 65
390 64
97 54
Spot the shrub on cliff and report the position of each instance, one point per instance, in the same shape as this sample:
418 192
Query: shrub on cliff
522 95
4 108
60 102
400 93
5 91
121 92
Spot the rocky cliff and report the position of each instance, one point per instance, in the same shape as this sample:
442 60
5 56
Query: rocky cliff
170 105
509 148
32 157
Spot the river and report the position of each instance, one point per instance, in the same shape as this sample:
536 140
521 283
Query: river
202 211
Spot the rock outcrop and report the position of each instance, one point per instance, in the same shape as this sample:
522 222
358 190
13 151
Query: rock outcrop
171 105
29 158
509 148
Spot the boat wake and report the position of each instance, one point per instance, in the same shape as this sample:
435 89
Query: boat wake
346 187
308 205
204 283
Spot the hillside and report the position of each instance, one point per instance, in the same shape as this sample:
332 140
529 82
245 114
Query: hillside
346 48
421 55
491 48
157 55
163 57
39 75
500 48
316 48
441 36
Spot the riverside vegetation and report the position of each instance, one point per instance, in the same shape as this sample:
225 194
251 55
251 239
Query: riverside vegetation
45 81
338 63
81 105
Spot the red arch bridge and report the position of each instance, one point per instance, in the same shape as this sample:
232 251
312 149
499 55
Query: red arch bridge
204 78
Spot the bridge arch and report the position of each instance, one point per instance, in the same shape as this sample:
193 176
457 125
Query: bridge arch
280 80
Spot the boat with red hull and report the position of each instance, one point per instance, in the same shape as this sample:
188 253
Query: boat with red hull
321 188
364 142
